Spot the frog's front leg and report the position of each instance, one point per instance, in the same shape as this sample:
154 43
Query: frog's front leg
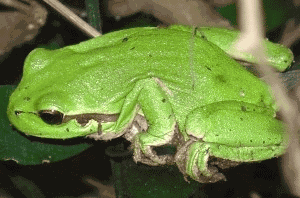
230 130
157 110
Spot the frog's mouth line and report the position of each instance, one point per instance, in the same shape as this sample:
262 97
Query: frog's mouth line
83 119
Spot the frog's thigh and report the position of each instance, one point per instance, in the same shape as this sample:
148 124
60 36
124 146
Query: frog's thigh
231 128
245 154
158 113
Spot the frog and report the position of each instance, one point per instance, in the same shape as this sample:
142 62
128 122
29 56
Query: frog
155 87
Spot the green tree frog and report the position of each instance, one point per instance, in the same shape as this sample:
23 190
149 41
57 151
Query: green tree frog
153 85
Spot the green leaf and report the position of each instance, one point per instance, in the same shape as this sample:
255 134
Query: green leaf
275 13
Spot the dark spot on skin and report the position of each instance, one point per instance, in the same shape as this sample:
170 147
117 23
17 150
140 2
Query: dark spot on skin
216 135
243 108
99 129
150 55
26 87
132 48
27 98
67 129
170 116
125 39
163 100
261 98
264 142
221 78
203 37
207 68
241 119
251 141
18 112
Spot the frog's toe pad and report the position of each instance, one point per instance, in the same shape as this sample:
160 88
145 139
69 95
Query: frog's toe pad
215 176
150 157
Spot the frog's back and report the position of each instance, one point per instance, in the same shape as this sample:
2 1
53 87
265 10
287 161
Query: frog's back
134 54
185 62
195 71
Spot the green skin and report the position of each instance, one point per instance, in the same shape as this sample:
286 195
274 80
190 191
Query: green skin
101 85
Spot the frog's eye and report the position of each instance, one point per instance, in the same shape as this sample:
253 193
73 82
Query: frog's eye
51 116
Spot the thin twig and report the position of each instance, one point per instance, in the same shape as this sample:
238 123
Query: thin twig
66 12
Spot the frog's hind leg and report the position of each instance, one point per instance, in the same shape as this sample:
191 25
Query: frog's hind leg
230 130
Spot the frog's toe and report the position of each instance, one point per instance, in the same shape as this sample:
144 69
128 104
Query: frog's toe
139 156
146 155
215 176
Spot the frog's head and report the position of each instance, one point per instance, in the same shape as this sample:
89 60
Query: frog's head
45 117
45 105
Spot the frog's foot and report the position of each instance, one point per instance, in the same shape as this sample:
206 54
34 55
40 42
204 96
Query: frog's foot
143 143
145 153
192 160
139 125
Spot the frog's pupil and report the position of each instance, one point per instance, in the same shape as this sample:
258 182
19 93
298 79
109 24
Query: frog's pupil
51 116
